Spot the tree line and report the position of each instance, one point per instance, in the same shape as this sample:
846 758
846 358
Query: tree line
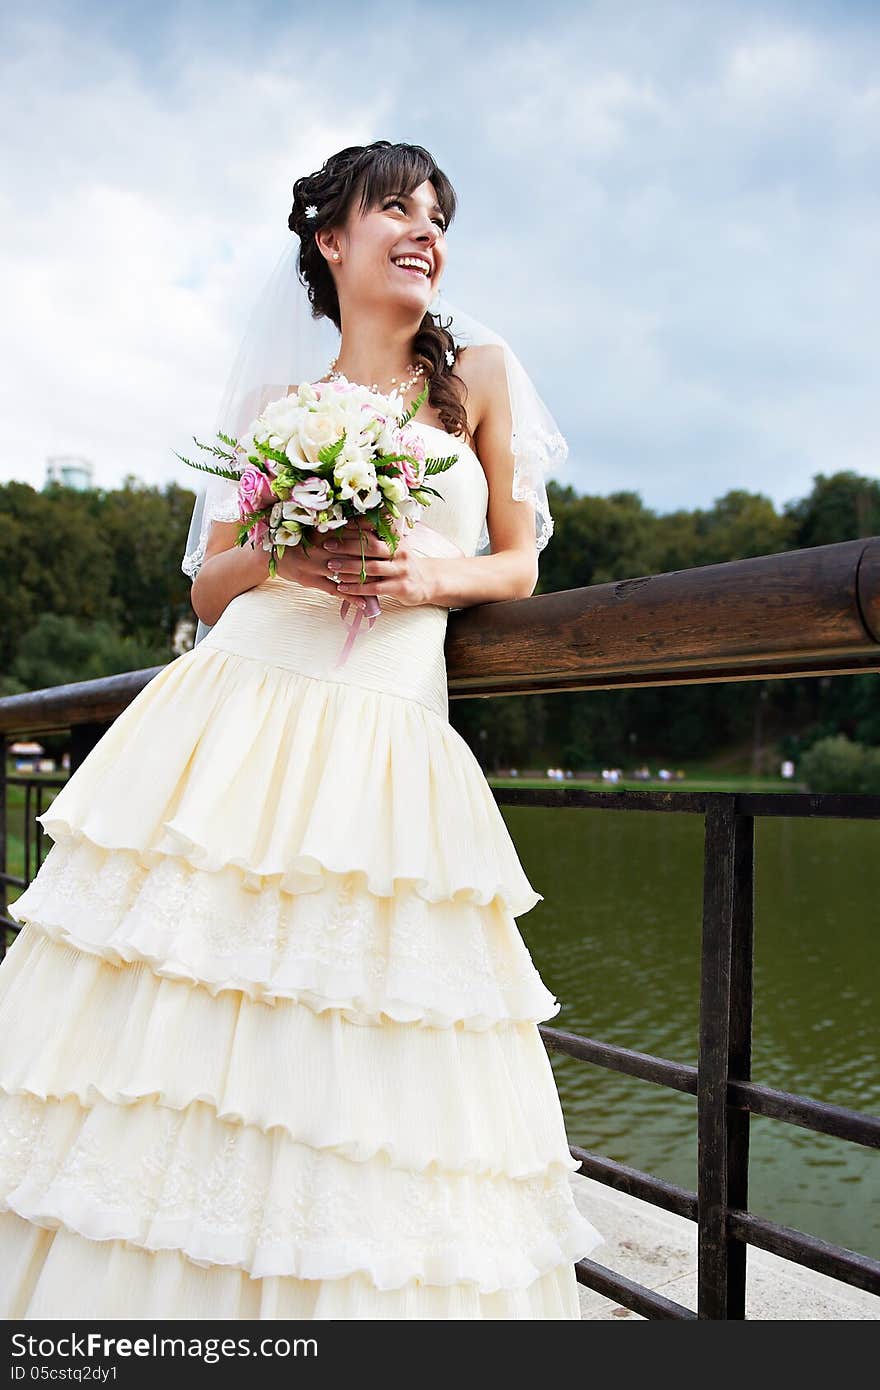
90 584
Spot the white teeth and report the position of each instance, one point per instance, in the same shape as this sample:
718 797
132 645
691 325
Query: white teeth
416 263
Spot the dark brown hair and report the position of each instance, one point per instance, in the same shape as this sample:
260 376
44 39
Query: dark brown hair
376 171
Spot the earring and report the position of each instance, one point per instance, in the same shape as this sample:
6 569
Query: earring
336 255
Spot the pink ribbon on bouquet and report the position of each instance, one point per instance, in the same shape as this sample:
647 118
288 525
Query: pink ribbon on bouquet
422 539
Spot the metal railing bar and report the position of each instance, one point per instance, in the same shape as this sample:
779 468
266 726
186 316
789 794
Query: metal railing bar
849 1266
637 1297
855 1126
20 779
13 881
678 1076
636 1183
837 1261
759 805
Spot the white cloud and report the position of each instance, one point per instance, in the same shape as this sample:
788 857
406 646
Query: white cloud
670 210
767 71
138 223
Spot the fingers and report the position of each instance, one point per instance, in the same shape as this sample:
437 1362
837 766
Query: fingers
310 570
326 586
348 567
352 537
373 548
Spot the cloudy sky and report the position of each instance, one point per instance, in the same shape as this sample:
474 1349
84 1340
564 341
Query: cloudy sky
671 210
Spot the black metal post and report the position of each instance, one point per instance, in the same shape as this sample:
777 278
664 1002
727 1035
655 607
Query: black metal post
713 1294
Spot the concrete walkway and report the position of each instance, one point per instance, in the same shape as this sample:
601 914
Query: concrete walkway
659 1249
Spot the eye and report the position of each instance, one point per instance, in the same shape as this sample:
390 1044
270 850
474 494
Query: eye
398 202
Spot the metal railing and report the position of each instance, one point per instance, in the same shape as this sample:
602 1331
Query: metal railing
809 612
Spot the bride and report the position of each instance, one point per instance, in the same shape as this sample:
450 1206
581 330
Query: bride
270 1029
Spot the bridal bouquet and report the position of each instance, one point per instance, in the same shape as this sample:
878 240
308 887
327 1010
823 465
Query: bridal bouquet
326 454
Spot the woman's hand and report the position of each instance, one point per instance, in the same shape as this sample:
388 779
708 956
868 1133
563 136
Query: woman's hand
405 575
311 570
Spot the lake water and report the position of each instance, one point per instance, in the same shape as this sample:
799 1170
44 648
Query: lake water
617 939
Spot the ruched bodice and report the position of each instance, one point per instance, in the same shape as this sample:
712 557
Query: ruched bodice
300 629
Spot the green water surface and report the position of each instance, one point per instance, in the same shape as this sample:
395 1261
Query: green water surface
617 939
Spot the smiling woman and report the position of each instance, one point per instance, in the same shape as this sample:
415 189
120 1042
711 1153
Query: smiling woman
371 208
293 1068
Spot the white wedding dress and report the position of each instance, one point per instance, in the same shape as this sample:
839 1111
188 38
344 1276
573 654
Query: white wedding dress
269 1029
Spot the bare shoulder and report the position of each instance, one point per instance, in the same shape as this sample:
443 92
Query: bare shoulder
481 368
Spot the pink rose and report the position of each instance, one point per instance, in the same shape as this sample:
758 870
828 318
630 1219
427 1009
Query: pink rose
411 443
254 492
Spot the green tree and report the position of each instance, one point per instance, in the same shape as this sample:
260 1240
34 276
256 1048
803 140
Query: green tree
146 530
741 524
59 649
837 764
841 507
55 559
107 562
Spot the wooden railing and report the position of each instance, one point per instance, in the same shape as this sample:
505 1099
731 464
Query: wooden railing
808 612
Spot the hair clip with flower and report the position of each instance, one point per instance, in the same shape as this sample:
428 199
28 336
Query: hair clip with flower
311 210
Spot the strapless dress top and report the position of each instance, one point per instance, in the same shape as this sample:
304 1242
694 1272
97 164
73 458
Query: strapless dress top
299 628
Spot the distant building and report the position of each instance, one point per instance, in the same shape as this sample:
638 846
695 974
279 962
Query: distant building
71 471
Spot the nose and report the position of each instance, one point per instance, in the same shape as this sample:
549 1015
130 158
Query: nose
430 230
427 240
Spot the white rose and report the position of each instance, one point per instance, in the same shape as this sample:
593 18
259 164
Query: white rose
285 408
280 420
316 430
335 409
272 438
295 452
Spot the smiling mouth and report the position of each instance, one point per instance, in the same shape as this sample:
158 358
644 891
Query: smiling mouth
411 270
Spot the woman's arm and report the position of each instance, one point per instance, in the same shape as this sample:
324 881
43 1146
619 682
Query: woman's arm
227 570
511 571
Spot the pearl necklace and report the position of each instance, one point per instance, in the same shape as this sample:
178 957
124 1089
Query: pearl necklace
414 374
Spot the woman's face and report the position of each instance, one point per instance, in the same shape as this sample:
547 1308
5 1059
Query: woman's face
401 224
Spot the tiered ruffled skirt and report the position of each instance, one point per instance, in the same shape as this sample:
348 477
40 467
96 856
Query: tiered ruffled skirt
268 1042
